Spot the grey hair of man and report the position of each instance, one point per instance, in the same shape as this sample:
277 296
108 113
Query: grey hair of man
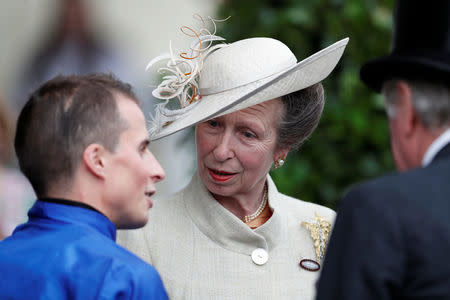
301 114
430 100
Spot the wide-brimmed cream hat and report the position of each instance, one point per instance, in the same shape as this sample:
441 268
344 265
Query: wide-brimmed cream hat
239 75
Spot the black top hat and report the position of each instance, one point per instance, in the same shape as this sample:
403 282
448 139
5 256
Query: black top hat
421 45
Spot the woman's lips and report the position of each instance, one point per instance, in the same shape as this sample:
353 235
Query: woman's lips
220 176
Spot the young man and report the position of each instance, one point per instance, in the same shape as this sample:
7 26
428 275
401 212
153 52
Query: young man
391 238
82 143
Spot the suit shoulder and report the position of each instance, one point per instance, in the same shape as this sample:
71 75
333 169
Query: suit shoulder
391 187
410 180
418 193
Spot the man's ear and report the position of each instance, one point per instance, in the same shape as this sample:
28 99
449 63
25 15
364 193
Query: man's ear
405 109
94 159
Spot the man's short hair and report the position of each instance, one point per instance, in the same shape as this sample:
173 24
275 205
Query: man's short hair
61 118
431 101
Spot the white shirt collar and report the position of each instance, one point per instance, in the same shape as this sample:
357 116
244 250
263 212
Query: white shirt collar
435 147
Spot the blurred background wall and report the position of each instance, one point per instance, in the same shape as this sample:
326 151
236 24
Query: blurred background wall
140 29
42 38
351 143
131 33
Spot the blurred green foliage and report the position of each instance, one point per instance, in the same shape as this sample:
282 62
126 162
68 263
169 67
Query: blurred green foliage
351 143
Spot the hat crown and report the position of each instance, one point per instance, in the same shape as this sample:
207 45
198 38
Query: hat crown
420 47
243 62
421 26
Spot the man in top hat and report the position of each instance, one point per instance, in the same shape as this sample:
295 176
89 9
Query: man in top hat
82 143
391 239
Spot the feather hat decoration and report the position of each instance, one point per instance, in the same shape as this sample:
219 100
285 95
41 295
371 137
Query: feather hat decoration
181 73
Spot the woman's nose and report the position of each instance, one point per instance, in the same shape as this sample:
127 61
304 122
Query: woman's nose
224 149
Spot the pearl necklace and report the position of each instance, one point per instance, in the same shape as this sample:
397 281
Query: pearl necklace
260 209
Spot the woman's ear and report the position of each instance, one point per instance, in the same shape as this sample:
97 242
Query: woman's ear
281 153
94 159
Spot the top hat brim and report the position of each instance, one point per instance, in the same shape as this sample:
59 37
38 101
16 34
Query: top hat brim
413 67
309 71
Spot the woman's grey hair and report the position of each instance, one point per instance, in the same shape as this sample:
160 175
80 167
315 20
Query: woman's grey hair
301 114
430 100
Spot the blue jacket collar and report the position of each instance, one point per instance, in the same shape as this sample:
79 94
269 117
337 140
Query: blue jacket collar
71 212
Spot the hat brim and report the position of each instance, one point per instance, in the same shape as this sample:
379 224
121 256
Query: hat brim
307 72
375 72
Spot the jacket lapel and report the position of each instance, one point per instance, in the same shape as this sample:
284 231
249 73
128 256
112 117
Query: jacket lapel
444 153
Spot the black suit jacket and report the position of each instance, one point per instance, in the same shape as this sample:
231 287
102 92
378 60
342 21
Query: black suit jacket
391 239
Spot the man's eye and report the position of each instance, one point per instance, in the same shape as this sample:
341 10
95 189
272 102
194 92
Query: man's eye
143 148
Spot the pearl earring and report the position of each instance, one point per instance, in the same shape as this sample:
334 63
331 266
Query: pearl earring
279 163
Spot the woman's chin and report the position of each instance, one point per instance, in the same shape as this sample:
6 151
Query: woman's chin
219 188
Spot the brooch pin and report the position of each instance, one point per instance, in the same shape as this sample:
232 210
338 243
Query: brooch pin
319 229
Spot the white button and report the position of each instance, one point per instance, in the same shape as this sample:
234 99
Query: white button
260 256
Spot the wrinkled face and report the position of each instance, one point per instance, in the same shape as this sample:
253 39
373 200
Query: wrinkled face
131 171
235 151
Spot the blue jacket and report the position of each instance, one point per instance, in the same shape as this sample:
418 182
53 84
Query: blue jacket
69 252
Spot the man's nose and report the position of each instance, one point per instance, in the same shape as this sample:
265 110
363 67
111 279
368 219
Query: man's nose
156 171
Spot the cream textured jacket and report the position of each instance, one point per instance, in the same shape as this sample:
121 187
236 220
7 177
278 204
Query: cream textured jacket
202 251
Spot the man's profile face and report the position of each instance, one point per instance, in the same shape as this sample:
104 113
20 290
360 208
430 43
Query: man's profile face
403 130
131 170
397 144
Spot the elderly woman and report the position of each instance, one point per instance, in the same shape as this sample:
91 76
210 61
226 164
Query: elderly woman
230 234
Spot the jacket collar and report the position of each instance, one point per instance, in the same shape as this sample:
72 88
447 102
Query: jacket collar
437 148
60 212
227 230
443 153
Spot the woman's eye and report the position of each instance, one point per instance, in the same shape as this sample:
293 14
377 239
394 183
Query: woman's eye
248 134
213 123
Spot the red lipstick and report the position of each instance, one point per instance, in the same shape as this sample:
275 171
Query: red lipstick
220 176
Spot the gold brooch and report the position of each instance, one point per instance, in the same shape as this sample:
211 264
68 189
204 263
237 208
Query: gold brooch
319 229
